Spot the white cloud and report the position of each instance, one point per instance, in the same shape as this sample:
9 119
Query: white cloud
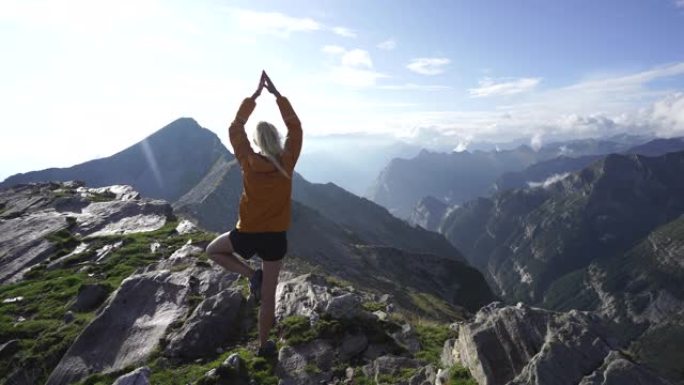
357 58
355 68
344 32
333 49
390 44
679 3
490 87
355 77
274 23
549 181
428 66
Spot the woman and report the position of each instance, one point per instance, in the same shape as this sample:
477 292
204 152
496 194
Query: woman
265 205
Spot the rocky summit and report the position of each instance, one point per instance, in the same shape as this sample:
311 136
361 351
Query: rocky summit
102 286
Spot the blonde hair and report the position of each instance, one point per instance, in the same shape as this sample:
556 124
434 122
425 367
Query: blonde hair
267 138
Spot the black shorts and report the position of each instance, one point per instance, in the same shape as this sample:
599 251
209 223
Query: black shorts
270 246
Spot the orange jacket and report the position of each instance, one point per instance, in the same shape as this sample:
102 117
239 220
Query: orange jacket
266 200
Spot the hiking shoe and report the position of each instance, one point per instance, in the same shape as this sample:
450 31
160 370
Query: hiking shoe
268 350
255 285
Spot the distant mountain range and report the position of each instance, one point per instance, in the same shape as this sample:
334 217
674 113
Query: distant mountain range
332 228
458 177
527 239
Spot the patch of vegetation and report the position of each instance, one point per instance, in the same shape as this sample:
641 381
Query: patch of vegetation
433 307
403 375
297 330
432 337
105 196
458 375
372 306
43 336
64 242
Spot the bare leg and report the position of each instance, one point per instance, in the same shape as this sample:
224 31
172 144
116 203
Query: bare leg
268 289
220 250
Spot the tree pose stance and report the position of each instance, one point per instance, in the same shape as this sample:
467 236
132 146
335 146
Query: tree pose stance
265 205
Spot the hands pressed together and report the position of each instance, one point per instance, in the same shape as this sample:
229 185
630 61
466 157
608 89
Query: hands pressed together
265 81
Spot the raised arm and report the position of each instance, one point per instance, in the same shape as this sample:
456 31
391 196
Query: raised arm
293 142
237 134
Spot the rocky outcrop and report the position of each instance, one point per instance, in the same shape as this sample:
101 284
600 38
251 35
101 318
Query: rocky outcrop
617 369
215 320
309 295
128 329
522 345
41 220
90 296
139 376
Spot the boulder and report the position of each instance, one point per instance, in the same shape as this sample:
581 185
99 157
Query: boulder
389 366
307 364
311 294
89 297
139 376
619 370
212 323
186 227
128 328
302 295
522 345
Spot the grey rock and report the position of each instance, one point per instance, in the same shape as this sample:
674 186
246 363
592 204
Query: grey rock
33 212
381 315
123 217
426 375
69 317
449 353
302 295
618 370
307 364
128 328
154 247
185 252
233 361
442 377
352 345
212 323
139 376
511 345
347 305
60 262
104 251
349 373
407 337
389 365
23 241
89 297
186 227
9 348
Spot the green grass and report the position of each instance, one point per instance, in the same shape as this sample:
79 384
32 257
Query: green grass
43 336
64 242
372 306
433 307
432 337
458 375
404 374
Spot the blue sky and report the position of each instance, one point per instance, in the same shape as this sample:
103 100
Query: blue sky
85 79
